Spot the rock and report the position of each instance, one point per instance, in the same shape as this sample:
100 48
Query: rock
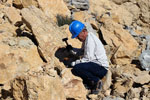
99 7
112 98
25 3
133 93
81 4
139 78
119 2
114 34
125 17
12 14
107 81
40 24
73 86
80 16
145 92
122 85
38 86
16 58
93 96
144 7
133 9
8 30
54 9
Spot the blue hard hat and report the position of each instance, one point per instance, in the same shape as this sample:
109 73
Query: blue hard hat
75 28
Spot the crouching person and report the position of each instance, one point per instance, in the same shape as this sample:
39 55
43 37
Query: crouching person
93 66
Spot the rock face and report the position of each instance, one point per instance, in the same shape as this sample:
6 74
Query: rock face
117 37
33 58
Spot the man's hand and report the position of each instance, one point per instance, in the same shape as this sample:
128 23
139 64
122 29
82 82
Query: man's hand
69 47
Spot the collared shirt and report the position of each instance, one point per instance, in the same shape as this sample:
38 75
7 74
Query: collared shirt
94 51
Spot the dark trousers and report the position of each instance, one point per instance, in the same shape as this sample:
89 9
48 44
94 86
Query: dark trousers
89 72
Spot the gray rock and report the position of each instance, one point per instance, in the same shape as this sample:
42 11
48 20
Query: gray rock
109 98
145 56
81 4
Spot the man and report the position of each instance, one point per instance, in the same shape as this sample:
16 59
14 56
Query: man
93 66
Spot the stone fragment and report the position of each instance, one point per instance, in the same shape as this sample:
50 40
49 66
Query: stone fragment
122 85
142 78
133 93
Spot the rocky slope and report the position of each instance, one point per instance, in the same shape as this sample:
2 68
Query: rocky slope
33 55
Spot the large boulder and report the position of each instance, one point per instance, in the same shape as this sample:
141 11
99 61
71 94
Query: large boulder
73 86
47 34
38 84
17 55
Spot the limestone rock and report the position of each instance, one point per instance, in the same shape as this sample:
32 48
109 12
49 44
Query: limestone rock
54 8
38 85
16 57
107 81
12 14
139 78
113 98
117 37
47 34
122 85
125 17
6 29
99 7
144 7
81 4
133 9
80 16
73 86
133 93
119 2
24 3
146 92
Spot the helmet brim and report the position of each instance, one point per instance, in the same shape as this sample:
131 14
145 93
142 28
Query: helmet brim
74 36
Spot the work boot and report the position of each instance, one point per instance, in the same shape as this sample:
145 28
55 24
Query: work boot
97 87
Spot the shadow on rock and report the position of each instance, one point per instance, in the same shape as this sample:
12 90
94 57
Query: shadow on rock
64 56
6 94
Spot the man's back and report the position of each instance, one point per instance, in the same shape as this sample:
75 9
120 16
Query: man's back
94 50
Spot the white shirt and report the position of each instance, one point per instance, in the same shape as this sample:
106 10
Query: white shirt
94 51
